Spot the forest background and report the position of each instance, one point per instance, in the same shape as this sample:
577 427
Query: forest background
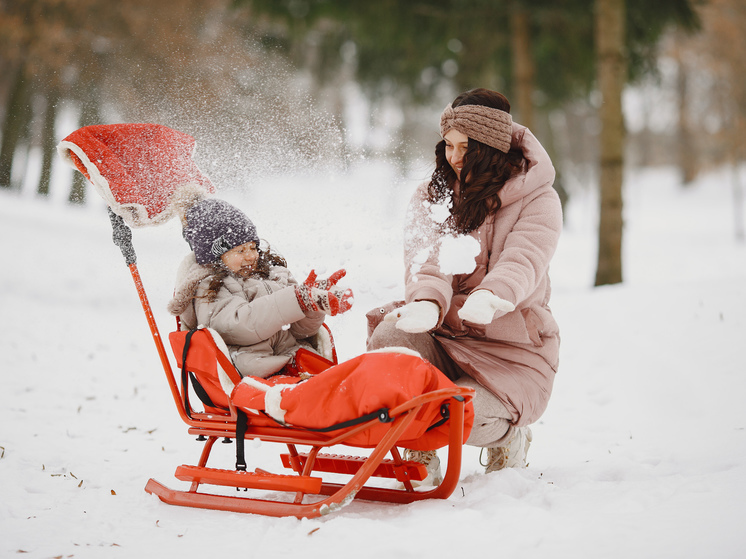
296 86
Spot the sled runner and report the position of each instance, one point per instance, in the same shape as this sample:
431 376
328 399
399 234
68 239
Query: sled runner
380 401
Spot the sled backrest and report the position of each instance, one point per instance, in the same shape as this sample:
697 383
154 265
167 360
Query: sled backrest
203 355
205 363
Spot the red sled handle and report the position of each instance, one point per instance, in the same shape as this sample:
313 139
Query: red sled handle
122 237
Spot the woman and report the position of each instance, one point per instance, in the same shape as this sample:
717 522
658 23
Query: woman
486 325
248 295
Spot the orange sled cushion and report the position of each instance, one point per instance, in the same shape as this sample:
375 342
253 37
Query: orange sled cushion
208 362
350 390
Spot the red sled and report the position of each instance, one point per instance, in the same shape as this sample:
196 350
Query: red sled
379 401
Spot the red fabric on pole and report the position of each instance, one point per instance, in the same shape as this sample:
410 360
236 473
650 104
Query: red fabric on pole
136 168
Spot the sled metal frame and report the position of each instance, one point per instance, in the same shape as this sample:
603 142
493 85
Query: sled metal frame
296 489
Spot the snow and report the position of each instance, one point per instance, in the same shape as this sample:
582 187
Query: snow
458 254
642 451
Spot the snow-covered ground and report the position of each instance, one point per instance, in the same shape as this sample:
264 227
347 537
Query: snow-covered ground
642 452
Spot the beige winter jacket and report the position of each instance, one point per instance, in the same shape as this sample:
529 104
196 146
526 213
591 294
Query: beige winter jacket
512 261
260 320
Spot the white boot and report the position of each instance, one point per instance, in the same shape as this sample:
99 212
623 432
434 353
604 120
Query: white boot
512 455
431 461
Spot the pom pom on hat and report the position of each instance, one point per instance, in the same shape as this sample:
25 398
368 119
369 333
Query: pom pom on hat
213 227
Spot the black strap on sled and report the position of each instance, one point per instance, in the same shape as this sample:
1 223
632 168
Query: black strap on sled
184 373
381 414
199 390
445 415
242 424
201 393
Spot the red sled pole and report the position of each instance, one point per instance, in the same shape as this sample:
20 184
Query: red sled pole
122 236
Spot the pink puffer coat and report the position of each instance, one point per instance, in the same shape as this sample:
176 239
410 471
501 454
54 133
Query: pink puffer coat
512 261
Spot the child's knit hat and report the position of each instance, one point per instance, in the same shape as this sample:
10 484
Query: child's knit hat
213 227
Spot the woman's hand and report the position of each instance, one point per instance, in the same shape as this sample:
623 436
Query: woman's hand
480 307
416 317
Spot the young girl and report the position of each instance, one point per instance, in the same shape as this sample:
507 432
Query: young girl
488 327
247 294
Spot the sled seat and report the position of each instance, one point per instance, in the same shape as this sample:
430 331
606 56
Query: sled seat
432 418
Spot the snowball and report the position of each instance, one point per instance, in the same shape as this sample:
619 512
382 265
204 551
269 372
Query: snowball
458 254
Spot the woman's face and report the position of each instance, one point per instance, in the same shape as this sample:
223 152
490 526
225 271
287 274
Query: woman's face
241 260
456 145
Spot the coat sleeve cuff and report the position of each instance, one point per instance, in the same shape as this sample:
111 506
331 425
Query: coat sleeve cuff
287 305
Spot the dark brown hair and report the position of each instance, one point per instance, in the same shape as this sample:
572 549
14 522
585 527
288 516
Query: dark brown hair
267 259
487 170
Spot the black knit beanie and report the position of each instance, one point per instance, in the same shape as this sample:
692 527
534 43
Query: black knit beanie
213 227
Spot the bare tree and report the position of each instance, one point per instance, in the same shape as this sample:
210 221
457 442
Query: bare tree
724 21
524 66
712 97
612 75
15 125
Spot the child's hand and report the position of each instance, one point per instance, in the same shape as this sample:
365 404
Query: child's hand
332 302
325 284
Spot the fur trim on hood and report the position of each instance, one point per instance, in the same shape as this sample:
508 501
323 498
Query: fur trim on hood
188 278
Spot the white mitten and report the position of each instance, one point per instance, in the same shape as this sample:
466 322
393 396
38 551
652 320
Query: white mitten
480 307
416 317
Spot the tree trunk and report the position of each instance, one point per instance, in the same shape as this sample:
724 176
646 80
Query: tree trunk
548 141
49 142
523 65
687 153
17 118
612 75
89 115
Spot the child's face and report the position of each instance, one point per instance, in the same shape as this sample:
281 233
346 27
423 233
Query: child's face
241 260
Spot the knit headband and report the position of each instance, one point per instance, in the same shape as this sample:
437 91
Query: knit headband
484 124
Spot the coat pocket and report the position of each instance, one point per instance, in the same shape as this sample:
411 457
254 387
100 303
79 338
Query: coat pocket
523 326
534 327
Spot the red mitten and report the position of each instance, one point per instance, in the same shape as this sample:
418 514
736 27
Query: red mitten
331 281
332 302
